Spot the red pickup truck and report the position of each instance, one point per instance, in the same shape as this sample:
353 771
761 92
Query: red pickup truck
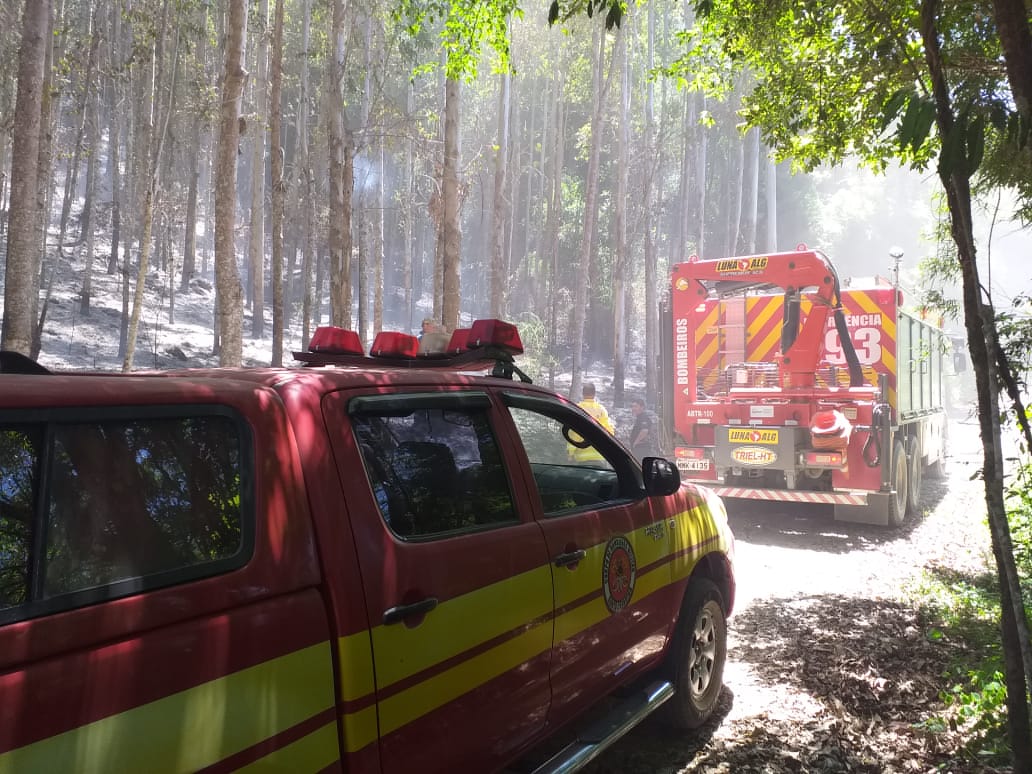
379 562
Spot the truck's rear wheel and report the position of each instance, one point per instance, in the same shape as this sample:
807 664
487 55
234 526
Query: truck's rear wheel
914 470
697 656
898 478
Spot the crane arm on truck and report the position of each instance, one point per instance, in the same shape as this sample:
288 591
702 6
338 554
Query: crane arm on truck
795 273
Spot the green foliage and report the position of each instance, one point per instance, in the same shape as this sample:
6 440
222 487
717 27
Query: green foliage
940 275
1015 329
466 26
823 74
835 80
967 609
614 11
536 358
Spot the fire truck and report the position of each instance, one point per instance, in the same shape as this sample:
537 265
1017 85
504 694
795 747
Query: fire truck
785 386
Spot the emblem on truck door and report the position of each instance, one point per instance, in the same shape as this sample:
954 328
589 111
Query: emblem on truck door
618 574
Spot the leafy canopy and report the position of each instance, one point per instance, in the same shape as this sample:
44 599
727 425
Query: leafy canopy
466 26
840 80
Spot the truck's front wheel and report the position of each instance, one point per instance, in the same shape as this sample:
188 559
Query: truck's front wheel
898 478
697 656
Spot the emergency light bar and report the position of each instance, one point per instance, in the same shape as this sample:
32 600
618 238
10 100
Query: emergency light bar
485 343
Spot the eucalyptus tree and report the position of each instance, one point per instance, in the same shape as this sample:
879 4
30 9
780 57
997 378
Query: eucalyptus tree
341 170
230 313
585 267
153 132
23 243
465 26
278 181
256 243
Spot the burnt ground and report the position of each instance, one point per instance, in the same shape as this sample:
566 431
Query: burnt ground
831 666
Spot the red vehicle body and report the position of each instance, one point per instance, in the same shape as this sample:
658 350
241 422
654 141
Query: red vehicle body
323 634
817 394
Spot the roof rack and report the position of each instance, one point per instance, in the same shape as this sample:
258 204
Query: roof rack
487 343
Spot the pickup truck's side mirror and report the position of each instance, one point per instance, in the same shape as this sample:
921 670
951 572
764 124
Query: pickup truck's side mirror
661 476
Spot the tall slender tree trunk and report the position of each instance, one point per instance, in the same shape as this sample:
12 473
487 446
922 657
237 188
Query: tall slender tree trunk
86 232
772 205
256 244
701 149
584 278
230 313
751 182
190 229
114 140
621 248
23 242
980 323
306 221
81 140
651 166
451 243
1012 25
149 184
340 158
44 182
154 134
278 183
89 203
552 225
409 248
499 211
379 247
736 185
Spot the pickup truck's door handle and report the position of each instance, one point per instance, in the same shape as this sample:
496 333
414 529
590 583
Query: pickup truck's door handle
569 558
399 613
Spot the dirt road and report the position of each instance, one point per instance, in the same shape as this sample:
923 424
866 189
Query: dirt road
829 667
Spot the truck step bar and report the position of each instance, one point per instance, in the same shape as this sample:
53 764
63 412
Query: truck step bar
595 738
791 495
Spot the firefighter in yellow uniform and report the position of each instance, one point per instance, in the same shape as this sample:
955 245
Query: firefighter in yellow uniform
591 405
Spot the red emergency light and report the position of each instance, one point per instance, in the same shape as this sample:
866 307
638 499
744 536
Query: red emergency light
495 333
459 341
394 344
333 340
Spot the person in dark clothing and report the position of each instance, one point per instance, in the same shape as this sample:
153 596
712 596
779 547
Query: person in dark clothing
645 433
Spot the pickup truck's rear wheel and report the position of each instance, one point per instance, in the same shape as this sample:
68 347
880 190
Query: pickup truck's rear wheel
697 656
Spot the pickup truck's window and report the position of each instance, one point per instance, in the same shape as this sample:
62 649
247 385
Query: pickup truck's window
434 471
19 451
568 477
124 505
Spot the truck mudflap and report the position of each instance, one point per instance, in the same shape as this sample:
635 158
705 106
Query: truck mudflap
792 495
876 512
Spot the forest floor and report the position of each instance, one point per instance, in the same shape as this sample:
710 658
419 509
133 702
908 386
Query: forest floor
831 665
